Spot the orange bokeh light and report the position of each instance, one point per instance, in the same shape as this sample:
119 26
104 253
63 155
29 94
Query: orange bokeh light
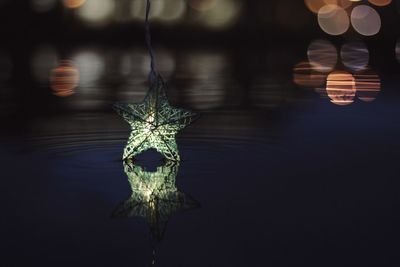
64 79
341 88
380 2
304 75
73 3
316 5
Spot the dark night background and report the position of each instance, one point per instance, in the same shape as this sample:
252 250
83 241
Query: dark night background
292 164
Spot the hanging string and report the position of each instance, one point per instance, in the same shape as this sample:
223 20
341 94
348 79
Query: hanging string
153 72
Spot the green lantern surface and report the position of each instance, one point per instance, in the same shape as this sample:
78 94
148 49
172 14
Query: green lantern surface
154 196
154 123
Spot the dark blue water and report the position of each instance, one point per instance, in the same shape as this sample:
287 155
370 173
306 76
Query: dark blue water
310 184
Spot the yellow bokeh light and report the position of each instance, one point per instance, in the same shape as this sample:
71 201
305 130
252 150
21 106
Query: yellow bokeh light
173 11
223 15
333 19
96 12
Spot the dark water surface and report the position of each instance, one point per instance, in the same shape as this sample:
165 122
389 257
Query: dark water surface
283 177
319 187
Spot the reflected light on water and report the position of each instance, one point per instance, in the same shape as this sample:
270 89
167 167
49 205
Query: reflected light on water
96 12
341 88
333 19
305 75
365 20
380 2
207 71
64 79
355 56
44 59
368 85
154 196
322 55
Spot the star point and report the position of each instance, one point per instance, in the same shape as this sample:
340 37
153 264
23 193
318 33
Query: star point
154 123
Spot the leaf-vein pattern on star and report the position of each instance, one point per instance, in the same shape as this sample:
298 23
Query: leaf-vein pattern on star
154 123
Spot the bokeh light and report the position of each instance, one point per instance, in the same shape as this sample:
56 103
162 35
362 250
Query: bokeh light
223 15
333 19
205 70
173 11
131 66
316 5
304 75
138 9
340 87
322 55
368 85
365 20
64 78
380 2
96 12
90 65
73 3
355 56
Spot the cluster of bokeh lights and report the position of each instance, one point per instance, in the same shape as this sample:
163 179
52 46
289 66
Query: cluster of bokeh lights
335 17
213 14
339 75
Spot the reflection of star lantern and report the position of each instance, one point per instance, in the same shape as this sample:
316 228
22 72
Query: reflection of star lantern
154 123
154 196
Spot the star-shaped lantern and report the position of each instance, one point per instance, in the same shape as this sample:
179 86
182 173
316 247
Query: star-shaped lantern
154 196
154 123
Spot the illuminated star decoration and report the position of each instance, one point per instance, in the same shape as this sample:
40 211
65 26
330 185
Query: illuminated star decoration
154 123
154 196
